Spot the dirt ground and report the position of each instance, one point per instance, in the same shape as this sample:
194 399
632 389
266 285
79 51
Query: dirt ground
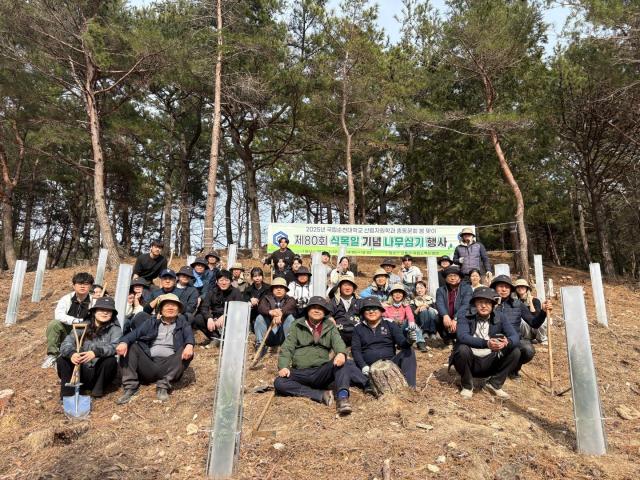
530 436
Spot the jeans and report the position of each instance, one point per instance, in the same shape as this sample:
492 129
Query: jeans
426 320
278 333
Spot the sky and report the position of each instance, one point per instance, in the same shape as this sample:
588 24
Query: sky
388 9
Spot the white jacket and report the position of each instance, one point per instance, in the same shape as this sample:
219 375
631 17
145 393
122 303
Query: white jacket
63 306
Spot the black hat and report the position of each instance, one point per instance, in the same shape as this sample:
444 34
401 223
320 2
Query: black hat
371 302
139 281
186 271
225 274
105 303
443 258
167 272
302 271
455 269
486 293
211 254
388 261
501 279
199 261
317 301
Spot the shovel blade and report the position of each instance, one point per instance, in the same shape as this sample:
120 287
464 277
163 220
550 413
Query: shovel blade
77 406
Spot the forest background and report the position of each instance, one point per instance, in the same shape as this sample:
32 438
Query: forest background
470 115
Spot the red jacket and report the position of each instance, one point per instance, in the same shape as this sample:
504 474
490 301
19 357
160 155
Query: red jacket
399 314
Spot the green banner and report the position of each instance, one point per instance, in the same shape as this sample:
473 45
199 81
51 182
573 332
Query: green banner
367 240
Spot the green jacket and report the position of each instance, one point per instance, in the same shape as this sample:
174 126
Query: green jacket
300 351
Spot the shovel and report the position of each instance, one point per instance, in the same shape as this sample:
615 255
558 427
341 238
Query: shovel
77 406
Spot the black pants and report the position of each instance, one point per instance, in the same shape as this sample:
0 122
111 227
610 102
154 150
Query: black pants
94 378
200 323
527 352
493 365
406 361
138 367
311 382
442 330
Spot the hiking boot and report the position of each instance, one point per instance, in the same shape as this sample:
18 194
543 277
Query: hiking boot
327 398
49 361
515 376
466 393
498 392
162 394
127 396
343 406
273 350
422 346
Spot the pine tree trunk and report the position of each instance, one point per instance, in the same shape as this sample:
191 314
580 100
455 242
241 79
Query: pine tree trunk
601 225
166 211
522 231
7 230
583 232
254 213
228 203
215 140
102 214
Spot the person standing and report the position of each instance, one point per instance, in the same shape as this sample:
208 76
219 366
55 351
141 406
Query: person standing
471 254
149 265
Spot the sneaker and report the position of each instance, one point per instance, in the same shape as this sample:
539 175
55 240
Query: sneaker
162 394
327 398
127 396
422 346
49 361
498 392
466 393
343 406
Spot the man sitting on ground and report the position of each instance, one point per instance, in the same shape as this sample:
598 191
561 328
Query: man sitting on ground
377 338
380 288
209 318
168 284
72 308
452 302
487 345
275 308
345 307
515 312
150 265
254 292
159 351
305 368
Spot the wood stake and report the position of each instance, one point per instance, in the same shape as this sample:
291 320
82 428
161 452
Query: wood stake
386 470
256 356
256 427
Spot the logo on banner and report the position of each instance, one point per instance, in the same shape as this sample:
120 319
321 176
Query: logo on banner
277 236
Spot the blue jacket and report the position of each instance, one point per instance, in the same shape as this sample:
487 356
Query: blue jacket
368 346
467 327
208 279
513 311
474 255
188 296
374 291
461 304
148 332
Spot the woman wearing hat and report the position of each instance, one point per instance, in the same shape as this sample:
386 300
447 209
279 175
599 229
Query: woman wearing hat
137 298
203 277
97 359
471 254
213 264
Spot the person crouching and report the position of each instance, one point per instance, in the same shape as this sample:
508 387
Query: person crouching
158 351
487 345
305 368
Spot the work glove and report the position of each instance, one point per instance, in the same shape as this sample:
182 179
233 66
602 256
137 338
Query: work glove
413 336
365 370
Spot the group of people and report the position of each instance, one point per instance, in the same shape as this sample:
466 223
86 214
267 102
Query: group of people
492 329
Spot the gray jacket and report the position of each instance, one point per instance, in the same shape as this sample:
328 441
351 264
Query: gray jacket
104 345
472 256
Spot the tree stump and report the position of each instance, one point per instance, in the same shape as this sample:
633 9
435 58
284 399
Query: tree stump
386 377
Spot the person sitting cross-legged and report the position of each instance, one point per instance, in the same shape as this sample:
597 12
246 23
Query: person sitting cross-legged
158 351
97 360
487 345
275 308
377 338
305 368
